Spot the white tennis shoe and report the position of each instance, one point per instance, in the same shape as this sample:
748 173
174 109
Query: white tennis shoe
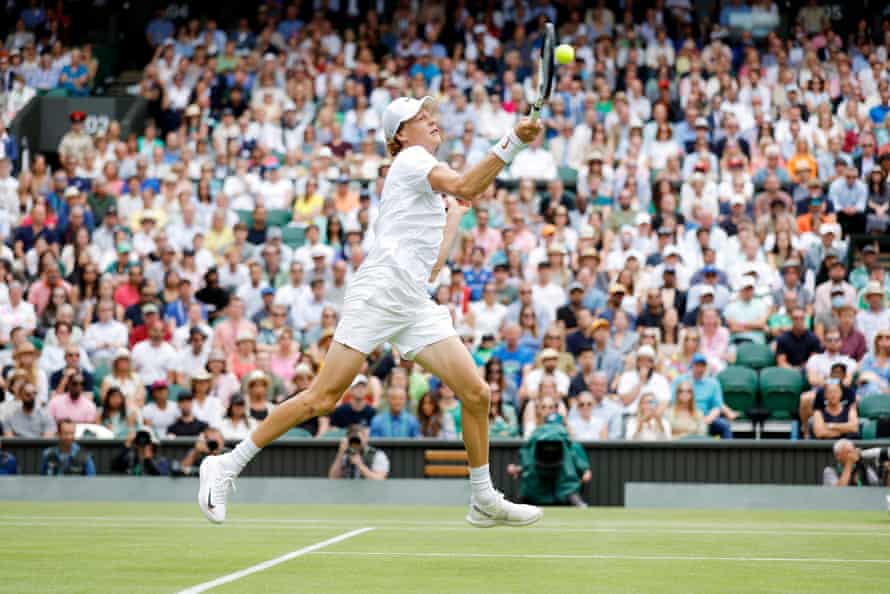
503 513
213 489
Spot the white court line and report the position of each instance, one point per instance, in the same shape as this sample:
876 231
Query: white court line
880 527
588 557
272 562
546 528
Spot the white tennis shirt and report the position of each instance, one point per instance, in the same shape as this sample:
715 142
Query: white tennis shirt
409 226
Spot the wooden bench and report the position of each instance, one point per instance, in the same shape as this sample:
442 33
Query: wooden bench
445 463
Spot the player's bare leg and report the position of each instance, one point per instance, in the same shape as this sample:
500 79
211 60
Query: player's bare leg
450 361
218 473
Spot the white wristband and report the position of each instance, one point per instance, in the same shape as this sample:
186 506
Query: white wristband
508 147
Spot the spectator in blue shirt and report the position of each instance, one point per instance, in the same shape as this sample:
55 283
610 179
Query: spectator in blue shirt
424 66
513 357
477 276
848 194
75 77
395 422
67 457
8 463
158 29
708 396
879 112
291 23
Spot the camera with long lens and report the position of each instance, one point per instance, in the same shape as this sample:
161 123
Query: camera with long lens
355 445
142 438
212 445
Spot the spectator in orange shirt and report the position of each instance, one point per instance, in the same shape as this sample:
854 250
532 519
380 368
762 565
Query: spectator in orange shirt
345 199
815 212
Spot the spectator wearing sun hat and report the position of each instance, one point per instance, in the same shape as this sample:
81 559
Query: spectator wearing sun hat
877 316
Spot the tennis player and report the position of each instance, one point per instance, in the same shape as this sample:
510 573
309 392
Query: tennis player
387 301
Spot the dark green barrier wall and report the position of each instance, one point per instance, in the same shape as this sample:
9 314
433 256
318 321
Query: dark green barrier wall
613 463
45 119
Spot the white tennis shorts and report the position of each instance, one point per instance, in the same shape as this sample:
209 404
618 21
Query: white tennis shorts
384 305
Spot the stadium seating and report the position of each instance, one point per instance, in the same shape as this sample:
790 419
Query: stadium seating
780 389
755 356
875 406
293 237
739 386
297 433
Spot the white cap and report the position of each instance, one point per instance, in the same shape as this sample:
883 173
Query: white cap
400 111
646 351
643 218
671 250
359 379
737 199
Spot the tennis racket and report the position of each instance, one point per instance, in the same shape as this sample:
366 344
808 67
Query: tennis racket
545 71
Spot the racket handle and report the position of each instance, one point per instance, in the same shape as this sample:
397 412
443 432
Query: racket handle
536 112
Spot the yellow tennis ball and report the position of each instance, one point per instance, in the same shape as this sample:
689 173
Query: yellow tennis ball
565 53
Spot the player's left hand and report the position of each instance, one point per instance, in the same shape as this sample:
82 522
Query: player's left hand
527 130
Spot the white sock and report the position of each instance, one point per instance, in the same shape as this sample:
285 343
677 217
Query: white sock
480 485
242 454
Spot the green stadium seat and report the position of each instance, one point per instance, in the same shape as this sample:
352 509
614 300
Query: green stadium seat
245 216
278 218
875 406
781 389
869 429
334 433
57 93
739 388
755 356
293 237
298 433
568 175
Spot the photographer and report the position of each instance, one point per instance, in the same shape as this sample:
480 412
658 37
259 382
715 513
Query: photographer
209 443
356 459
139 455
856 467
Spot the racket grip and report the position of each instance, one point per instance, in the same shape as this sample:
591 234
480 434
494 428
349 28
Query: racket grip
536 113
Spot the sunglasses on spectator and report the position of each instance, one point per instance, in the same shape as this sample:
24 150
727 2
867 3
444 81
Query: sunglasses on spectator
585 404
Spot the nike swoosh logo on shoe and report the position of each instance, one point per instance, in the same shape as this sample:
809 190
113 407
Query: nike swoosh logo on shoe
209 505
479 510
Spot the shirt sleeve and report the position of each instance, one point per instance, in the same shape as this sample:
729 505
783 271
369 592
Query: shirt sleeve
380 463
416 164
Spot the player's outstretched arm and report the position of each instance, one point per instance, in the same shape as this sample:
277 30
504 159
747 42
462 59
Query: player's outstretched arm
469 185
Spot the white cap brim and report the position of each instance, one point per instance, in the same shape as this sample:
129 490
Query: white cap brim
400 111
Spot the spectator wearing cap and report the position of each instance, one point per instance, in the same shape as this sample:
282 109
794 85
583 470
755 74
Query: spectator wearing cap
236 424
155 359
160 413
860 276
263 318
829 244
186 425
205 407
876 317
747 315
356 409
640 378
150 317
849 196
549 368
76 142
708 396
567 314
832 294
795 346
258 405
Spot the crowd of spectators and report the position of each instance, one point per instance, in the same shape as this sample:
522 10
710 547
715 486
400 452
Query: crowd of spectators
698 186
